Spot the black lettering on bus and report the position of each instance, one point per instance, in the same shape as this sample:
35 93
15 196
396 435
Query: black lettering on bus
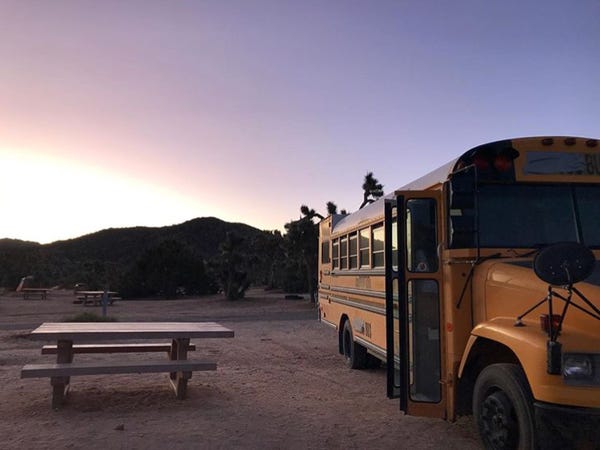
592 164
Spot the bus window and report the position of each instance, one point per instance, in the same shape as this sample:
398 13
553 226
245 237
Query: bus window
335 250
353 251
424 338
525 215
325 252
395 245
344 252
589 213
363 245
378 247
421 235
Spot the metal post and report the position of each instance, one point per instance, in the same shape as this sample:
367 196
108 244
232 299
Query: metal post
104 301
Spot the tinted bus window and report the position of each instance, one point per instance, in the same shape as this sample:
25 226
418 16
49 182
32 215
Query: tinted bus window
525 215
363 243
588 208
378 247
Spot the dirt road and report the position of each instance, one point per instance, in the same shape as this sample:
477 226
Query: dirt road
280 384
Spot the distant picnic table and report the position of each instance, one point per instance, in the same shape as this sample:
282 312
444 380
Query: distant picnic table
29 293
95 297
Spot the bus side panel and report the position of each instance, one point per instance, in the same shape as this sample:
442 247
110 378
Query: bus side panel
366 312
458 324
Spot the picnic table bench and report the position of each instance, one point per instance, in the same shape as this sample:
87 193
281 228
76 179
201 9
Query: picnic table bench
116 348
178 366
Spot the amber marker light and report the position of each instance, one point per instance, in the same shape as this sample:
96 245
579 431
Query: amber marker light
547 141
545 322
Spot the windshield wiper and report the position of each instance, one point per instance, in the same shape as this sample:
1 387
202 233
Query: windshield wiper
536 248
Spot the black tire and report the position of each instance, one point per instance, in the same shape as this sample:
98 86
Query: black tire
503 408
373 362
355 354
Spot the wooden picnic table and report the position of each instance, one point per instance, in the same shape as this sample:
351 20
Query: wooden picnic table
35 292
68 335
95 297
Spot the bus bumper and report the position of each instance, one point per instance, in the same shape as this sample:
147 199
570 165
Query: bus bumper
563 427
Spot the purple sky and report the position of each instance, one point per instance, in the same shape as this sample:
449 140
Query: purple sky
124 113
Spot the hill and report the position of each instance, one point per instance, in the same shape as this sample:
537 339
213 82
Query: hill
112 253
17 245
202 235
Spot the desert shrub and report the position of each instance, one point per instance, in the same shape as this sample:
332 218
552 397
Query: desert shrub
90 317
231 267
168 270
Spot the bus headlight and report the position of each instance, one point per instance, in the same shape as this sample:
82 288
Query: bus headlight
581 368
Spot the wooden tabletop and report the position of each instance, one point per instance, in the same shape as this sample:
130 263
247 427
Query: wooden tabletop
89 331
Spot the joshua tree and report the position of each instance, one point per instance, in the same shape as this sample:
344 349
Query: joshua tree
310 213
303 241
331 208
233 278
372 189
303 238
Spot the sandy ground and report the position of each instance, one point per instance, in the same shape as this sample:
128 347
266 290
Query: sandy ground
280 383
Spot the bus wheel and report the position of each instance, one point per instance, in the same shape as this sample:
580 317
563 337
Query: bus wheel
503 408
373 362
355 354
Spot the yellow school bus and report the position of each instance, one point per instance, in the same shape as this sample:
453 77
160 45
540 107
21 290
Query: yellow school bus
478 286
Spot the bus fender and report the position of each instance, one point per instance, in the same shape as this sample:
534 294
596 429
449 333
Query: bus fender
526 343
466 353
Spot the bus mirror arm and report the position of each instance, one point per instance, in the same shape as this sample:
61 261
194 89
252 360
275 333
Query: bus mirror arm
464 289
561 265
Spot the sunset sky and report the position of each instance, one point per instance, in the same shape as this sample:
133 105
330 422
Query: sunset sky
123 113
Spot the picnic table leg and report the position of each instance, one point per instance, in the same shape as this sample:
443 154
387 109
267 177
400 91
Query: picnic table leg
179 348
60 385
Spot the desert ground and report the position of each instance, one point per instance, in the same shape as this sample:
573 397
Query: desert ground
280 384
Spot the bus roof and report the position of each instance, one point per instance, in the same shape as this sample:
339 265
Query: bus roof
438 176
432 179
375 209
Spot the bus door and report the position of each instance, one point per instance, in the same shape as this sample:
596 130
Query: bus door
413 310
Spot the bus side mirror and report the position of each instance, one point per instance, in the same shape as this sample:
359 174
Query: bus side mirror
564 264
462 207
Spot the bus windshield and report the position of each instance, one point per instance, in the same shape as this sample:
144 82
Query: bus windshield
530 216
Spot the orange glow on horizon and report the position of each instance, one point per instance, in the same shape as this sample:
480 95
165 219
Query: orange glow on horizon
48 199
